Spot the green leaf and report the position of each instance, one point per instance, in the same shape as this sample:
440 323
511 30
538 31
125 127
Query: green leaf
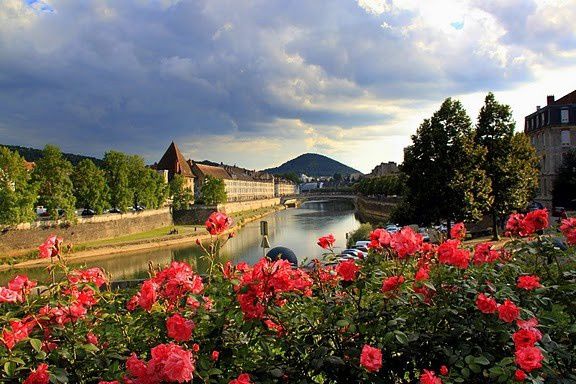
9 368
401 337
481 360
36 344
342 322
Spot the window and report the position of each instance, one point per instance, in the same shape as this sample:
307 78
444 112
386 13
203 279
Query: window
565 138
564 116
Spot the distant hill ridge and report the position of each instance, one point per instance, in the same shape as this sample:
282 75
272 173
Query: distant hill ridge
313 164
33 154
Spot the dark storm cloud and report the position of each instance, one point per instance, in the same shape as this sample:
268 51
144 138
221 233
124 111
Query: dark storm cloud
132 75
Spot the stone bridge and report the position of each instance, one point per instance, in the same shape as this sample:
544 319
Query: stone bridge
297 200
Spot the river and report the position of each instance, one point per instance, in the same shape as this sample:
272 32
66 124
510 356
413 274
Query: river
295 228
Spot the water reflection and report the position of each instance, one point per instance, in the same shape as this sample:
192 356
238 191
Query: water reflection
297 229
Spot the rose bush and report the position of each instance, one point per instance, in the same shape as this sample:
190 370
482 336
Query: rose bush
407 312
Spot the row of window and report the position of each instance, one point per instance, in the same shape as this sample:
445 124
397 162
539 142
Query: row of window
543 118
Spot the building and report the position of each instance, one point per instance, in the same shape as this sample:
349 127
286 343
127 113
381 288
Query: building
552 131
174 163
283 187
384 169
240 184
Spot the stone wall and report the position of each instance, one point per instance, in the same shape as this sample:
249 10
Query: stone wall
198 214
86 229
376 211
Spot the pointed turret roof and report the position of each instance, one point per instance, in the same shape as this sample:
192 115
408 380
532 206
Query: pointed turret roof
174 162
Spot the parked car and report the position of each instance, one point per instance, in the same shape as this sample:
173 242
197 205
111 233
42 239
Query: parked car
424 233
88 212
353 252
393 228
361 248
362 243
115 210
559 211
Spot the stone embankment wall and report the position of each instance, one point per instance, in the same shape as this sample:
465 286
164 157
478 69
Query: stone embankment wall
376 211
86 229
198 214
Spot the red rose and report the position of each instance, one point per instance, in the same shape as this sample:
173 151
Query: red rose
217 223
449 253
568 228
148 294
537 219
21 283
458 231
508 312
39 376
528 282
179 328
177 364
429 377
519 375
243 378
379 238
9 296
347 270
406 242
91 338
392 283
327 241
486 304
371 358
483 253
526 337
215 355
423 273
529 358
443 370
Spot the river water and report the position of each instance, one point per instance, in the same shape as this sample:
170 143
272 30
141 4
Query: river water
294 228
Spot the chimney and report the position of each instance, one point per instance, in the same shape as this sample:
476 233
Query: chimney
550 100
537 107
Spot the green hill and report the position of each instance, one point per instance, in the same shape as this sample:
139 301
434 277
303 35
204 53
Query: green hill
313 164
33 154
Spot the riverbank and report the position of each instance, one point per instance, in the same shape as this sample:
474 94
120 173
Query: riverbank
140 242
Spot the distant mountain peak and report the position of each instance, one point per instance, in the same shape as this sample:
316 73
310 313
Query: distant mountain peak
313 164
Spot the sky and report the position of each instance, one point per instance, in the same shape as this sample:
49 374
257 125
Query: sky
259 82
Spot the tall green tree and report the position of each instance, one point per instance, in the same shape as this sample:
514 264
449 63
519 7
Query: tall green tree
146 185
564 192
17 192
117 168
512 174
182 197
441 168
90 186
213 191
52 173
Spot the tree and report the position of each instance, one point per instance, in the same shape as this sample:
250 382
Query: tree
90 186
291 176
146 186
56 192
564 192
441 168
181 196
117 171
213 191
512 174
17 193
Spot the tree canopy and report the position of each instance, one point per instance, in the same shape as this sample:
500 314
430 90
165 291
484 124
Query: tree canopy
510 162
213 191
90 186
117 170
52 173
17 194
442 175
182 197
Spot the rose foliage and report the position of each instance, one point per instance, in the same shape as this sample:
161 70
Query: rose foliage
408 312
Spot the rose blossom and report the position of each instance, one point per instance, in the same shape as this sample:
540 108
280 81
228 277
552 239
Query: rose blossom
528 282
217 223
39 376
529 358
347 270
486 304
526 338
327 241
371 358
392 283
519 375
508 311
443 370
179 328
215 355
458 231
429 377
568 229
243 378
